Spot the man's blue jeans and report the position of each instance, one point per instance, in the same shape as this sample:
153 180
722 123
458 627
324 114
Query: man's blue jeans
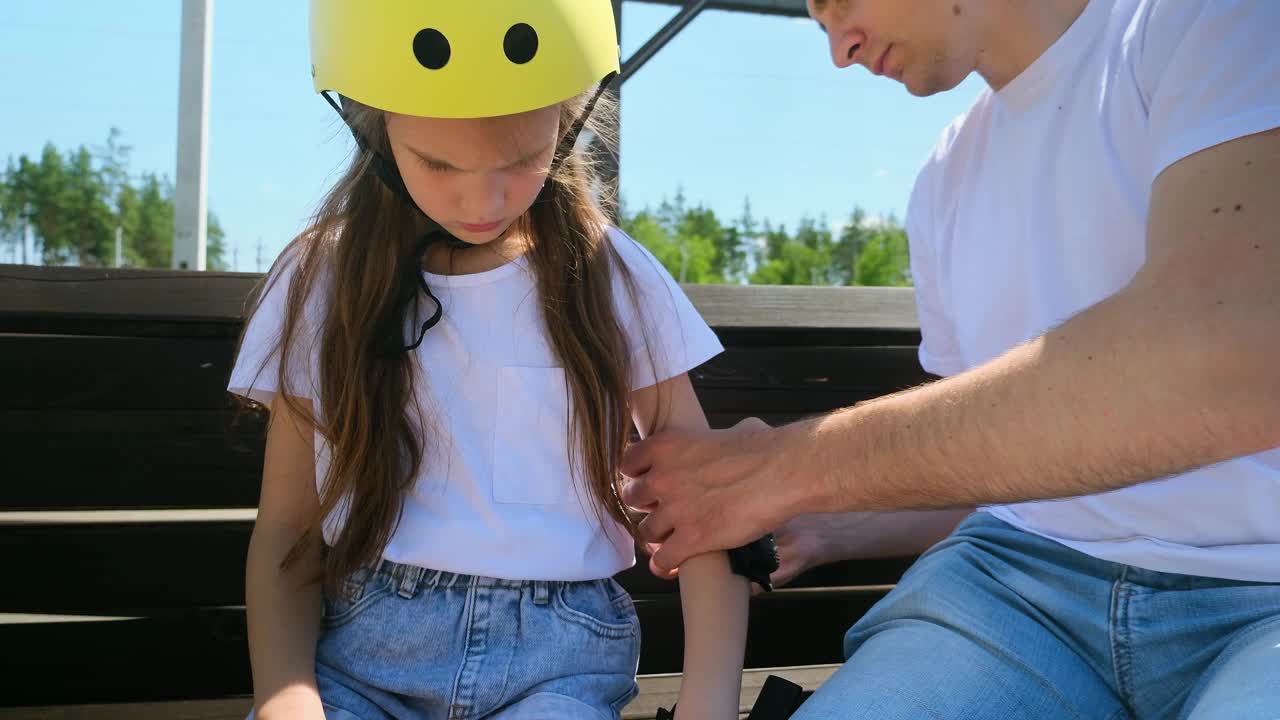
994 622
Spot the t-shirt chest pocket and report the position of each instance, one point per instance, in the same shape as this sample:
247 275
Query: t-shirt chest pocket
531 436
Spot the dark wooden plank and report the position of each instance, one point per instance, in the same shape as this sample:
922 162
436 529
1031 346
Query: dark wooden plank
772 306
855 573
786 627
199 654
122 568
203 654
114 459
154 373
662 690
120 470
132 566
860 370
812 368
732 337
46 372
249 418
656 691
850 573
751 401
118 327
55 294
220 709
131 455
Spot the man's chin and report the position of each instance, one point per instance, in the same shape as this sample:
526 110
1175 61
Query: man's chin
931 85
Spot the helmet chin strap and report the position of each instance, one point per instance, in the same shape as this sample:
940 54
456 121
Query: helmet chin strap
386 171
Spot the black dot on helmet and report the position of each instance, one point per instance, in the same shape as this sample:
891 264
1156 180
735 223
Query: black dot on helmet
432 49
521 43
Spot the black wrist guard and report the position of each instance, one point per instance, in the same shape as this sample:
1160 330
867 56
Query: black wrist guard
756 561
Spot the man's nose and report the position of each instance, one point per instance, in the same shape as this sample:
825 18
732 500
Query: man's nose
845 46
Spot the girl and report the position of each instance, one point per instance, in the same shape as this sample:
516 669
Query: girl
453 353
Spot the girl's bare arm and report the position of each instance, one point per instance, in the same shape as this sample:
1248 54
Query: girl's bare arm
714 600
284 606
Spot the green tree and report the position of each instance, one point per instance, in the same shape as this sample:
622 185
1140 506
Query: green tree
885 259
774 241
804 259
11 210
76 201
695 246
216 246
844 256
90 233
688 257
748 238
151 244
49 205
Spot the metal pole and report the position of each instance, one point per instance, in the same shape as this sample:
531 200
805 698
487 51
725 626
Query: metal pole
119 247
190 204
607 161
660 39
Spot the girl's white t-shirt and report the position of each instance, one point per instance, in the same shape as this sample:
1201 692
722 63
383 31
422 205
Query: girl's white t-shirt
496 495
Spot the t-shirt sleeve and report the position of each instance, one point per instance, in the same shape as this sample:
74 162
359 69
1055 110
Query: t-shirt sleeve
1210 73
939 352
256 371
666 335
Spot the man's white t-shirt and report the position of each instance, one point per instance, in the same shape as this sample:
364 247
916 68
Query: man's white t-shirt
1033 208
496 496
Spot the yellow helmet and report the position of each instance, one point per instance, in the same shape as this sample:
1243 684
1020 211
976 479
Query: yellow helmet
461 58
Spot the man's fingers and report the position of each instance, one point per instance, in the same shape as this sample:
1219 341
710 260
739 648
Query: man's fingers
654 528
636 493
785 573
638 458
661 573
649 549
673 553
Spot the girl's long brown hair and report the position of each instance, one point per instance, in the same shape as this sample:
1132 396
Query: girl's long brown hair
361 246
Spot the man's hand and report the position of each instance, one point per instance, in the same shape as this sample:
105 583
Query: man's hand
705 491
814 540
810 541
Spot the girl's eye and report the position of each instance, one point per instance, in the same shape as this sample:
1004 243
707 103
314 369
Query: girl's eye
434 166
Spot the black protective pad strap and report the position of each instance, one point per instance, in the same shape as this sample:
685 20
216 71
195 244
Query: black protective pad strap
778 700
756 561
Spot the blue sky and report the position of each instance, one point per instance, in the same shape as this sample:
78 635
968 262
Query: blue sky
737 106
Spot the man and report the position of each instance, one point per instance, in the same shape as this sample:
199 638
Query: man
1096 252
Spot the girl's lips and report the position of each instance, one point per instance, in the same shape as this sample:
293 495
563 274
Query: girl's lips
486 227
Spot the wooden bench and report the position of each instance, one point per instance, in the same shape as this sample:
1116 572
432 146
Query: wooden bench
127 494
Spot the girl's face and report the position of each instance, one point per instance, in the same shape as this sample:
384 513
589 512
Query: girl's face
476 176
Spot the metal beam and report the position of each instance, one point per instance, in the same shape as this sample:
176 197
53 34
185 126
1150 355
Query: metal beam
190 202
608 163
660 39
788 8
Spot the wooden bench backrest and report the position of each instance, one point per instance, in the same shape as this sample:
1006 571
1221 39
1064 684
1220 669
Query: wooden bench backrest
127 490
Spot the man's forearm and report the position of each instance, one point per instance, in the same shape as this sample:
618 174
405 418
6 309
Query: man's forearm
1153 381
